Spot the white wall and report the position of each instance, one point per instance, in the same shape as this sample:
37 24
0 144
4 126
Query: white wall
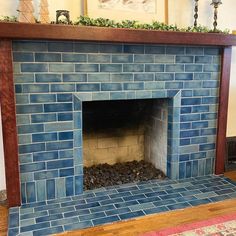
181 13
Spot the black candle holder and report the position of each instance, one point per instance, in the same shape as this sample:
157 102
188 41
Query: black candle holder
215 4
64 13
196 13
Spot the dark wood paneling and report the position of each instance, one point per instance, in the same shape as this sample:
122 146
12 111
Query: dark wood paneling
62 32
7 99
223 110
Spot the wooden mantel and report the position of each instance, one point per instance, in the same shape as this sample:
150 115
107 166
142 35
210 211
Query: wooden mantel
15 31
88 33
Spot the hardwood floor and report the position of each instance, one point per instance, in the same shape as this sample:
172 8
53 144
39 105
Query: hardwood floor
137 227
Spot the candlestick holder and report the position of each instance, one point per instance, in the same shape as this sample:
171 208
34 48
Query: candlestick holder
215 4
195 13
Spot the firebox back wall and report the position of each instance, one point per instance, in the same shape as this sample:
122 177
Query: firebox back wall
52 79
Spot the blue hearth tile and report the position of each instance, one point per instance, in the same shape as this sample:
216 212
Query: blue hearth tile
102 208
192 117
143 206
88 205
40 175
74 77
66 172
200 109
195 168
194 50
164 59
199 140
225 191
164 202
155 194
23 192
43 118
66 154
79 185
42 98
184 157
187 93
69 57
185 199
202 76
131 95
211 131
47 231
174 85
13 220
65 116
175 50
144 58
41 190
23 57
188 169
210 100
58 107
211 68
63 88
111 86
170 196
127 77
184 126
34 67
87 87
75 200
34 227
198 155
28 109
144 77
47 57
44 137
174 68
143 94
184 59
219 198
111 68
154 68
35 88
33 215
191 192
131 215
79 170
164 76
189 133
61 210
134 197
212 51
153 49
154 85
193 68
26 129
46 207
203 59
190 101
193 84
98 77
159 94
122 58
65 221
206 147
183 76
101 199
133 67
30 192
32 167
126 189
117 211
135 49
110 48
77 138
123 194
105 220
60 126
65 135
117 95
48 218
178 206
200 124
199 202
99 58
69 186
210 84
81 225
64 97
86 47
13 231
59 164
156 210
86 68
24 78
50 185
92 216
60 47
24 139
209 116
126 204
133 86
18 88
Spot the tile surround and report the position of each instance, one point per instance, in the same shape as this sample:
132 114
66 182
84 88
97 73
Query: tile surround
52 79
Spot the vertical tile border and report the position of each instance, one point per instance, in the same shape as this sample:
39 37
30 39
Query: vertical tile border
7 100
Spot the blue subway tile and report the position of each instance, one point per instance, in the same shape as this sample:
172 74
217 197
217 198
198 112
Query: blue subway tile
60 47
199 202
211 131
199 124
193 85
41 190
144 77
44 78
80 225
35 88
63 88
101 96
131 215
143 94
203 59
98 77
87 87
26 129
47 57
18 88
61 67
92 216
206 147
144 58
32 167
30 192
58 107
201 92
86 47
198 155
184 59
211 68
122 77
190 101
64 97
154 85
164 76
200 109
118 95
27 46
111 86
183 76
111 68
193 68
190 117
122 58
45 156
210 84
23 57
110 48
174 85
43 118
24 78
202 76
175 50
41 175
66 172
69 57
133 67
178 206
164 59
44 137
59 164
154 68
60 126
105 220
48 231
22 99
86 68
153 49
13 220
59 145
194 50
209 116
212 51
42 98
34 67
34 227
156 210
74 77
50 185
99 58
133 86
136 49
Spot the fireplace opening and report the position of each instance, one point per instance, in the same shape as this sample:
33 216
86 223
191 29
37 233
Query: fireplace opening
124 141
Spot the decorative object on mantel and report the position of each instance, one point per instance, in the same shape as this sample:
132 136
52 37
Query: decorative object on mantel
43 12
26 11
63 16
195 13
215 4
3 196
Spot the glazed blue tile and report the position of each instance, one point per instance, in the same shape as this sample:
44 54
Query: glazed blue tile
102 208
23 57
27 46
100 199
190 101
178 206
66 154
74 77
58 107
60 47
154 68
154 85
193 68
194 50
47 231
65 221
29 148
65 116
143 94
30 192
199 202
65 135
46 207
13 220
190 193
69 57
117 95
22 99
189 133
209 116
211 68
184 59
87 87
98 77
193 84
111 48
135 49
88 205
131 215
210 84
111 68
133 67
133 86
86 47
164 76
80 225
86 68
44 137
212 51
198 140
122 194
28 109
224 191
42 98
35 88
92 216
144 58
190 117
170 196
13 231
126 189
43 118
203 59
156 210
149 199
174 85
122 58
127 77
32 167
117 211
63 88
99 58
153 49
185 199
34 227
18 88
33 215
48 218
183 76
175 50
78 184
187 93
155 194
202 76
34 67
143 77
64 97
200 109
164 202
211 131
47 57
23 78
111 86
40 175
59 164
219 198
50 188
134 197
126 204
105 220
69 184
164 59
210 100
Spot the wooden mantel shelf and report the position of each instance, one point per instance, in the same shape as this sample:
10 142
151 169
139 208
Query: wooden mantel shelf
88 33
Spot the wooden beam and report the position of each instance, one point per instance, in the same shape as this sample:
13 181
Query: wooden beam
7 99
223 111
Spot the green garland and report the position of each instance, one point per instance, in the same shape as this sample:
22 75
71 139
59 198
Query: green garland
128 24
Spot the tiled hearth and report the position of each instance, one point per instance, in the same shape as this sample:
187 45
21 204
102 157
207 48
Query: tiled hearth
117 203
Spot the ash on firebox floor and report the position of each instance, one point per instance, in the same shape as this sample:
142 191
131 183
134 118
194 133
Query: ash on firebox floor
104 175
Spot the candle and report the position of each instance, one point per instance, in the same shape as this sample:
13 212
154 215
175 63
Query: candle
216 2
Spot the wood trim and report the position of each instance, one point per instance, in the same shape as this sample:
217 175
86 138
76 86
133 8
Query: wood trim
167 12
223 111
7 98
88 33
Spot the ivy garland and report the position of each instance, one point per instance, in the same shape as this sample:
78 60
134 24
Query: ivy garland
129 24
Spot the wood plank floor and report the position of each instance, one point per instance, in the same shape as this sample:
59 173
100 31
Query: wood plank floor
145 224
